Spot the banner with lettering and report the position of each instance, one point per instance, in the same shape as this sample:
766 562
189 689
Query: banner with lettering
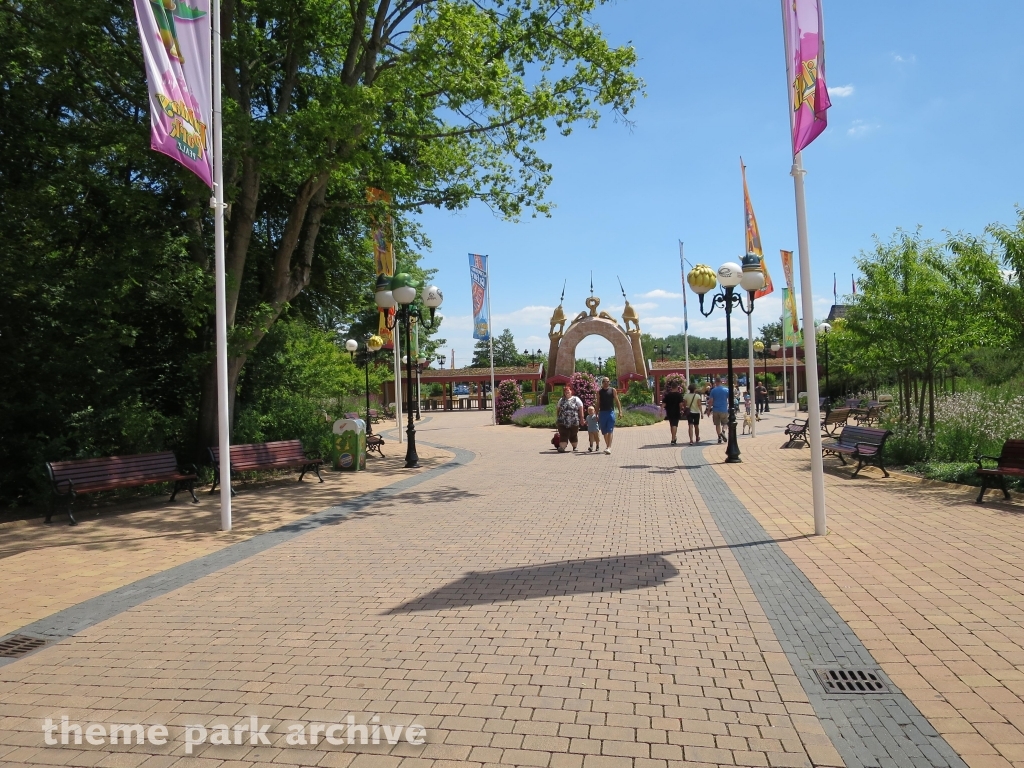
478 284
176 50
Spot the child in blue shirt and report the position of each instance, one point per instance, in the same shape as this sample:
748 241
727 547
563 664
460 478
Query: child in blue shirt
593 430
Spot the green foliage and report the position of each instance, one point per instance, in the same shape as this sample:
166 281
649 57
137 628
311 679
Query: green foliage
296 385
106 298
637 394
947 471
700 348
914 315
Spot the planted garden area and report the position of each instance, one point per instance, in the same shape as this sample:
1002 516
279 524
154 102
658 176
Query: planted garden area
637 408
940 326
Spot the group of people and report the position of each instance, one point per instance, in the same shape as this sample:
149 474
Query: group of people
690 404
570 417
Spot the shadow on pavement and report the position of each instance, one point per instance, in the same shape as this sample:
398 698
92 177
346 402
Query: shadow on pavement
571 577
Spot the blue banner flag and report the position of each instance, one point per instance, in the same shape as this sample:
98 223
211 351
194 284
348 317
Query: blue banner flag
478 282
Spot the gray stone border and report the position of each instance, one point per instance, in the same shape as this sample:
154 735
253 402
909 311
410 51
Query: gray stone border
70 621
877 730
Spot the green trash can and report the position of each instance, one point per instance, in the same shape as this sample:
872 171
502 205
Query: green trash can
348 450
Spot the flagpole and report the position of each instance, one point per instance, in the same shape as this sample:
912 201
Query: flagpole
490 335
810 351
785 383
686 320
750 376
223 411
807 300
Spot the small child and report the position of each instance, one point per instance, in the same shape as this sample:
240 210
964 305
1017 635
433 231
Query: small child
593 431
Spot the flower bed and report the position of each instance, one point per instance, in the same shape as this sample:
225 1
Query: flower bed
543 416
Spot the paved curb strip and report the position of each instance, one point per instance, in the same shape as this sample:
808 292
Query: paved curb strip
70 621
875 730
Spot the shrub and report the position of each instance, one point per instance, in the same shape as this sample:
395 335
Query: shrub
974 422
585 388
509 400
637 394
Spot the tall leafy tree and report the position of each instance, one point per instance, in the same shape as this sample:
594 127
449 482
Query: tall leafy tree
438 102
916 311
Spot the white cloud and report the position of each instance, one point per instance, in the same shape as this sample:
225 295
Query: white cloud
860 128
658 293
841 91
532 315
904 59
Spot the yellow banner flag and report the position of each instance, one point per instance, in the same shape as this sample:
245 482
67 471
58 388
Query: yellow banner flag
383 259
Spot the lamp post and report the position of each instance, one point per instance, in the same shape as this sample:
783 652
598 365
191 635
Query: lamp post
373 345
664 349
750 278
402 292
824 329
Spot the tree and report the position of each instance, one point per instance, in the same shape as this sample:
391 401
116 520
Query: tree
505 353
107 246
916 311
438 103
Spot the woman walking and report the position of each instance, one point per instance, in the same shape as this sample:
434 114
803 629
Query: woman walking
672 402
570 416
693 405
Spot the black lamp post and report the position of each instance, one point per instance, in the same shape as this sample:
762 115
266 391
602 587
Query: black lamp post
373 345
401 291
824 329
664 349
750 278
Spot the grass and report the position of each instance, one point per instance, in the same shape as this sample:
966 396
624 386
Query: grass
962 472
545 419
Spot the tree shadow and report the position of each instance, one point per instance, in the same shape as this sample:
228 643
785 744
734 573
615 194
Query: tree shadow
618 573
571 577
635 466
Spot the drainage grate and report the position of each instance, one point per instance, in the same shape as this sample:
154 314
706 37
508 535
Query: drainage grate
19 645
852 681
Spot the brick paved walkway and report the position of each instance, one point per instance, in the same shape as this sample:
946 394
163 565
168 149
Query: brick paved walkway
529 608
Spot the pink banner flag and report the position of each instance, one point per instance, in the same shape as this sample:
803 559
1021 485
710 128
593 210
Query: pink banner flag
175 38
805 61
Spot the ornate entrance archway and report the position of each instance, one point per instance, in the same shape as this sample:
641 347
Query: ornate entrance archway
629 355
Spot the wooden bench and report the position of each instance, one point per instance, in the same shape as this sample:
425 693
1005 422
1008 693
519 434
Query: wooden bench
70 478
864 444
797 430
1010 463
374 444
283 454
833 420
869 415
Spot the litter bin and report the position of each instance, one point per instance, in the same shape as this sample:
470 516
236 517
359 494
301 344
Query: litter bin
348 450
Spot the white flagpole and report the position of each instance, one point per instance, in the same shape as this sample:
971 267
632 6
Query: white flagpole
796 379
490 334
810 352
750 376
807 300
686 320
785 383
223 411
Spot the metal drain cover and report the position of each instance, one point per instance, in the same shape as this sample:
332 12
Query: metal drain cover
852 680
19 645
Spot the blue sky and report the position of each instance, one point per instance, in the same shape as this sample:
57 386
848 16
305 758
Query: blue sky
925 130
